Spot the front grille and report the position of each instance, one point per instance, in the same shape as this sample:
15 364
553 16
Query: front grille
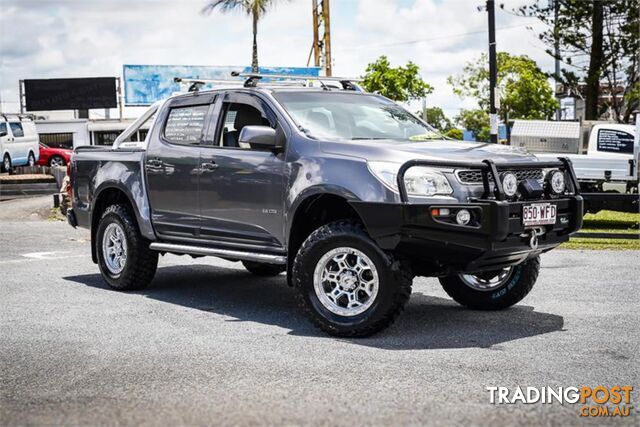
475 176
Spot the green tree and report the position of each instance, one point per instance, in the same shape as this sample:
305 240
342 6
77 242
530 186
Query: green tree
526 93
437 119
254 8
454 133
598 43
476 121
400 83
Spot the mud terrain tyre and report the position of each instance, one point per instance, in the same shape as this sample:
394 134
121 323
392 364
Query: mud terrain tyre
263 269
124 257
346 285
466 289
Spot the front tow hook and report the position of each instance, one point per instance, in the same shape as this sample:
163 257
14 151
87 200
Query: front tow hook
533 239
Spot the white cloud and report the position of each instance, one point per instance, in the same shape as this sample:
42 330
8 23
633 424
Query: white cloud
74 38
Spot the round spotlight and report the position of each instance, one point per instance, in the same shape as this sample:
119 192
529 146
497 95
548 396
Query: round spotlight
556 182
463 217
509 184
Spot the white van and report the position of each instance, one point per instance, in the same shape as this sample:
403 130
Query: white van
18 141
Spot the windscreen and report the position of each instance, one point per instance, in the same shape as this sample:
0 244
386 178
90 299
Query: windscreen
348 116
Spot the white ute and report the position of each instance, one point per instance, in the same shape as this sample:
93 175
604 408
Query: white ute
605 157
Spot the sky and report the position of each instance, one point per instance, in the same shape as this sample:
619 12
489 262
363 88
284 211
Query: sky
91 38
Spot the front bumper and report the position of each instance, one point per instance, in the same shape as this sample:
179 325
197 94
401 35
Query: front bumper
498 240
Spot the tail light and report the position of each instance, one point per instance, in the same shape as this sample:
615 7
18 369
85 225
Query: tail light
70 180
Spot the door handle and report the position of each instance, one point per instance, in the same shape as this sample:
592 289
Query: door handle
154 165
208 167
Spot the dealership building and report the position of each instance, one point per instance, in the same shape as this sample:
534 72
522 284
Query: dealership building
71 133
61 106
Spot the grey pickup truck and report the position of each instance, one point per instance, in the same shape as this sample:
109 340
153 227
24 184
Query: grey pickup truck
345 191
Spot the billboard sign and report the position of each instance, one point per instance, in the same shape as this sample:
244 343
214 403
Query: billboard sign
70 94
146 84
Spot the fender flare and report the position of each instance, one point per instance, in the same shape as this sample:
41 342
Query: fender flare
316 190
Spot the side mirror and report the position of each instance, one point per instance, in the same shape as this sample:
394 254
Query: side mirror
260 137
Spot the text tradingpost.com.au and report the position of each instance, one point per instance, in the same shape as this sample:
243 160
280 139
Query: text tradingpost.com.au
598 401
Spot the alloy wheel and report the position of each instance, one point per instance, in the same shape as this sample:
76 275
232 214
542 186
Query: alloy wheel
487 281
114 248
346 281
57 161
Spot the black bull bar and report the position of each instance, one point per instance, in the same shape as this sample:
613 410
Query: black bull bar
490 168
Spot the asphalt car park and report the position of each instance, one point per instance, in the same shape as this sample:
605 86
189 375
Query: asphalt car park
208 343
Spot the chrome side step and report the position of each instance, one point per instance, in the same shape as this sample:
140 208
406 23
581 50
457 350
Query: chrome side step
224 253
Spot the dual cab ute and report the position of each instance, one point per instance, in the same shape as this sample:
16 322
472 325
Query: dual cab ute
347 192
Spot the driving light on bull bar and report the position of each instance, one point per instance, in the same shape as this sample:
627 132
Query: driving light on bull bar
555 181
463 217
418 180
509 184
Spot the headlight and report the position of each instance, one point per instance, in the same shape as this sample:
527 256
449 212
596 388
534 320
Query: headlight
555 181
419 180
509 184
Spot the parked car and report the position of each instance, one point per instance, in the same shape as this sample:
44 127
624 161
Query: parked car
605 157
52 156
18 141
346 191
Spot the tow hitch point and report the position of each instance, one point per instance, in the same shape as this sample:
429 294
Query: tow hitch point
533 239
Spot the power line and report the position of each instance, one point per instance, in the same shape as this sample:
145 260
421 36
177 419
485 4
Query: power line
430 38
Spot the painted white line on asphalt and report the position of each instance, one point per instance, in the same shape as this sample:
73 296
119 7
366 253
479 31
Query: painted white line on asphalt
17 261
42 255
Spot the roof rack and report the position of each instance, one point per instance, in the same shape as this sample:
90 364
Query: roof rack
19 116
196 84
252 79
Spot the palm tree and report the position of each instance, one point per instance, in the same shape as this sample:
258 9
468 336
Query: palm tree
255 8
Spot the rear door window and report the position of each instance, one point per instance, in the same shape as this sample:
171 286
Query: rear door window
3 129
185 125
16 129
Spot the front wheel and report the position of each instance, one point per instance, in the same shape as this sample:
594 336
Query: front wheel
493 290
124 257
56 161
346 284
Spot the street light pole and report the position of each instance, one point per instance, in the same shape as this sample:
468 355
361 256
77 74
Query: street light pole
556 53
493 72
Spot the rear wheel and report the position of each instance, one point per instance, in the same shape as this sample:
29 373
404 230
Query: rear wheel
124 257
263 269
346 284
493 290
56 161
31 160
6 163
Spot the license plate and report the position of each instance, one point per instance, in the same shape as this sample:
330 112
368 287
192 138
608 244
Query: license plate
539 214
